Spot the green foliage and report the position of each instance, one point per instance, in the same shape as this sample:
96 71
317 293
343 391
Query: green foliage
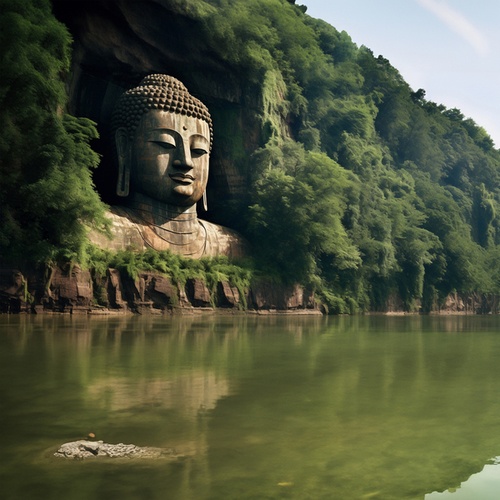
299 200
390 195
179 269
46 191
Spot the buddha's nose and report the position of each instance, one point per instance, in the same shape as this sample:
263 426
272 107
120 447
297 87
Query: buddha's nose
184 164
183 159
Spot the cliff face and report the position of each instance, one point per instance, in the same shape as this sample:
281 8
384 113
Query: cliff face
67 288
117 43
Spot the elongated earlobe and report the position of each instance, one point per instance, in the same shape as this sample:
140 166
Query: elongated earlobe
205 202
123 154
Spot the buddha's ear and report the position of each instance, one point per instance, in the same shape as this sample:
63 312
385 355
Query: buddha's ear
123 153
205 201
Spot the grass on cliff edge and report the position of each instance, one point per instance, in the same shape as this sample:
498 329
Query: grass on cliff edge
210 270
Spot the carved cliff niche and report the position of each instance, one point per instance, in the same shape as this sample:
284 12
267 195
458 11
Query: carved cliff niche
117 43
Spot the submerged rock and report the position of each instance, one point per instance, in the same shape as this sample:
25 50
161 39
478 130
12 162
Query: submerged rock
82 449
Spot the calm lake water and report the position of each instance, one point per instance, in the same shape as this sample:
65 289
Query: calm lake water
262 407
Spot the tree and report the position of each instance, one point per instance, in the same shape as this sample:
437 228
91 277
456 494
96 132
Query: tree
297 213
46 190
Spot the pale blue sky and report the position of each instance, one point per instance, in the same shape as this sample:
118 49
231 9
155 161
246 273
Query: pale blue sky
450 48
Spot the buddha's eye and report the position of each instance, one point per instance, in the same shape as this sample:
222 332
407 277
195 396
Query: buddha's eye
164 145
197 152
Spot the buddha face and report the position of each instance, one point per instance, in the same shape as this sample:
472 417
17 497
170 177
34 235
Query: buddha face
169 157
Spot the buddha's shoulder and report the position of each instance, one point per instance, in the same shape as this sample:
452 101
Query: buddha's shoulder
222 240
218 229
125 231
123 216
129 231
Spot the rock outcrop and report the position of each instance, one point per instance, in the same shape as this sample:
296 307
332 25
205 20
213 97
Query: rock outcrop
470 303
269 296
13 296
69 289
83 449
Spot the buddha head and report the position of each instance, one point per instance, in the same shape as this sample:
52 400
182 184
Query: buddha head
163 140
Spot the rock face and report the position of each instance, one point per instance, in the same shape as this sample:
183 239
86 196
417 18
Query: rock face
12 291
471 303
83 449
198 293
69 289
266 295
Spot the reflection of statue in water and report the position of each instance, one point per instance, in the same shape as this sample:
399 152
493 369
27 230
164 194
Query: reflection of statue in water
163 139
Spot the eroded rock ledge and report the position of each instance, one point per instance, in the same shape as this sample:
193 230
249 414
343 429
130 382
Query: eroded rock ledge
70 289
83 449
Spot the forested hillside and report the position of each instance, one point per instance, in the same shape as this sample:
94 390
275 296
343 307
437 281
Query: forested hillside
360 187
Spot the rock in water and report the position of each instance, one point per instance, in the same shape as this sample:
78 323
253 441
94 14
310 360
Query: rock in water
83 449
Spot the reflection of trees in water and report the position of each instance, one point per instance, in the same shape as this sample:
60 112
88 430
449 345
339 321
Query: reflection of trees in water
369 405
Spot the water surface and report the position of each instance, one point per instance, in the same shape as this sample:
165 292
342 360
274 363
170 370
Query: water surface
261 407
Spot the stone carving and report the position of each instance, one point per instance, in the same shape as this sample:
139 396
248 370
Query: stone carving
163 139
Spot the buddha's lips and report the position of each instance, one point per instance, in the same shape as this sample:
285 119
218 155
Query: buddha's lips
183 178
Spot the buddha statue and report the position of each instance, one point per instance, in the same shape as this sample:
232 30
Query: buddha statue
163 137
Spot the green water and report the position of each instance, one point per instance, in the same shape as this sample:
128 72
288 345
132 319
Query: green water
261 407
